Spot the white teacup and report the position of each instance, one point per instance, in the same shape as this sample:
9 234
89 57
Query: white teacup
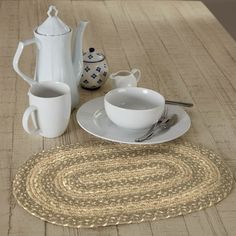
134 107
124 78
50 107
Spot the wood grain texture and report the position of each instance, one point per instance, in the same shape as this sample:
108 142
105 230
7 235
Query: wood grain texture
182 51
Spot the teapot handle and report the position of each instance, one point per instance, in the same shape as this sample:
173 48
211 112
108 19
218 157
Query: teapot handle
17 56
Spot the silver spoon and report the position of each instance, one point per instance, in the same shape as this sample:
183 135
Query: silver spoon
184 104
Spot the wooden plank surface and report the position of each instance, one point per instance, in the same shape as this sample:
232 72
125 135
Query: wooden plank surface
182 51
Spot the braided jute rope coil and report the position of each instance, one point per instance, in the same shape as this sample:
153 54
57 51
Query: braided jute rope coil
103 184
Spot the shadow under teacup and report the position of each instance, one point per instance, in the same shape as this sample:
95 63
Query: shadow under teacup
125 78
50 108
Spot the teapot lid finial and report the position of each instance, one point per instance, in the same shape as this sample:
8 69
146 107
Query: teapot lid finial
51 9
53 25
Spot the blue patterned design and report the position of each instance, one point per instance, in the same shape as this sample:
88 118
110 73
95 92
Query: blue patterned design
99 81
93 76
87 69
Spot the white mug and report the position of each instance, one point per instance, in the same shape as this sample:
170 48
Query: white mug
50 107
124 78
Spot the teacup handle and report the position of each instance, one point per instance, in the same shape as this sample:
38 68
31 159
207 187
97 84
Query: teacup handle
136 73
25 120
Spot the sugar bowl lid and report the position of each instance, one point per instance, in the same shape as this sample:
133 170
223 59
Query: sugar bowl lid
53 25
92 56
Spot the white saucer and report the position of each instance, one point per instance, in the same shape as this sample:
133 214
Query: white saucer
92 117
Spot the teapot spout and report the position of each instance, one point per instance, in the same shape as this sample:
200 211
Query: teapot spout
78 51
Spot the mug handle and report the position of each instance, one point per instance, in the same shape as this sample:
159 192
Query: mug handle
136 73
25 120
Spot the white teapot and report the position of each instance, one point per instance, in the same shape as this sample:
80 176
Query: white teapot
54 60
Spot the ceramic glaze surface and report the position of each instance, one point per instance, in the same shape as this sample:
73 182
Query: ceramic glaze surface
92 117
60 59
95 70
53 25
50 107
55 61
134 108
124 78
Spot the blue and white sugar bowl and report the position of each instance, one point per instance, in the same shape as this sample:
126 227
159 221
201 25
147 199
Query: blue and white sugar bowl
95 71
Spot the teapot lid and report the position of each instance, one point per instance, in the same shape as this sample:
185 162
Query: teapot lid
53 25
91 56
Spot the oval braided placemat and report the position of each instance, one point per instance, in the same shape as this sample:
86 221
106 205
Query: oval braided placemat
107 184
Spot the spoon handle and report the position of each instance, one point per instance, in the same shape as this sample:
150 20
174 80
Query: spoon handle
184 104
150 132
166 124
